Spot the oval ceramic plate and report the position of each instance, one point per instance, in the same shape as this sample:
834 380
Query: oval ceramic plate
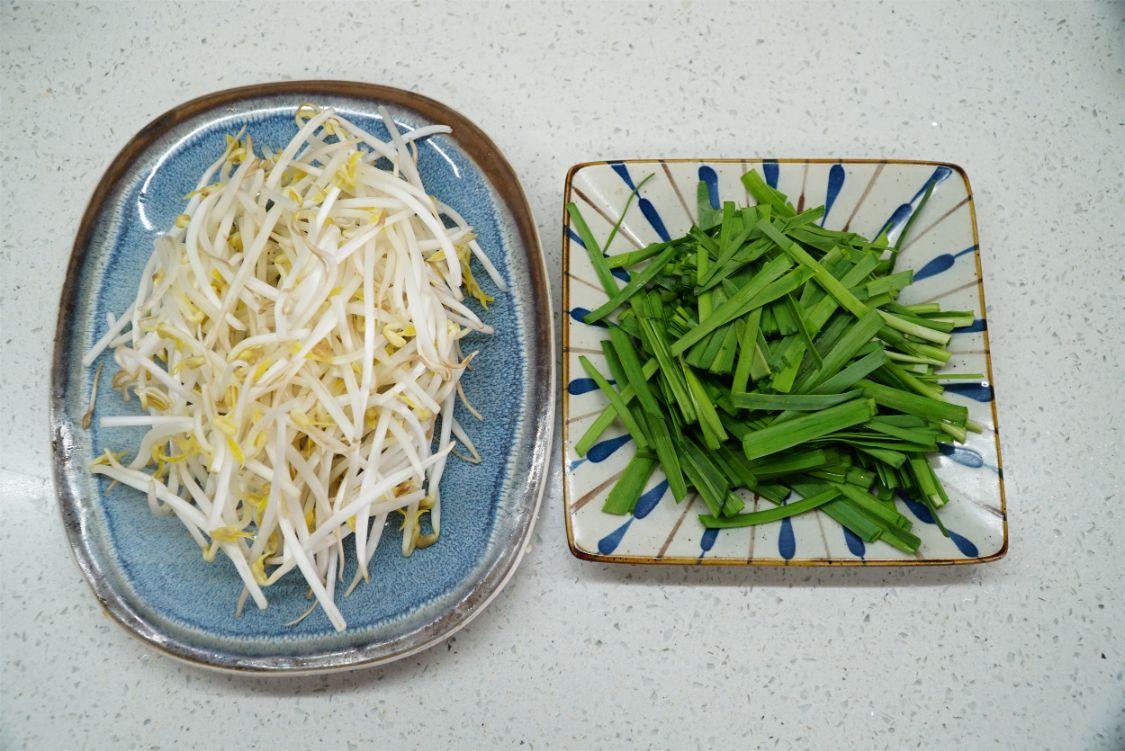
146 572
865 195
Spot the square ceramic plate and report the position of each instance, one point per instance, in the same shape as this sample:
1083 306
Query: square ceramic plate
863 195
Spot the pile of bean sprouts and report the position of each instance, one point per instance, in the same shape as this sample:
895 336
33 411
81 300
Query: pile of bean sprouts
295 343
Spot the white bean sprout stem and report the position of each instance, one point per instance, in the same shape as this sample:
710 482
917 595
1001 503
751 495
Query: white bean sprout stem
295 344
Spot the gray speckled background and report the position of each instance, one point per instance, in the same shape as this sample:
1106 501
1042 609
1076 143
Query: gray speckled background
1027 653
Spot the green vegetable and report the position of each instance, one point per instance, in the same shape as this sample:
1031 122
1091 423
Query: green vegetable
633 257
628 202
605 419
910 222
746 300
597 258
631 369
615 399
635 284
625 493
769 515
761 352
802 429
747 349
922 406
798 402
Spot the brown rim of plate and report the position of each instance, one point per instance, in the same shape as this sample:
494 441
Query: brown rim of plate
773 562
502 178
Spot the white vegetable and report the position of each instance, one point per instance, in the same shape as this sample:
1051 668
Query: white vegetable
295 343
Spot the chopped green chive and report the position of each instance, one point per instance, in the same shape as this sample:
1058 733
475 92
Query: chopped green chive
636 191
796 402
634 257
607 416
615 399
624 495
634 285
799 430
762 352
597 258
769 515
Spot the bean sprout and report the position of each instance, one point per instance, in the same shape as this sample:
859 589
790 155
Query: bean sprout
295 342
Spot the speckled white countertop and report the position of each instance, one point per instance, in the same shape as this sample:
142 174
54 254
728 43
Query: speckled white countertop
1026 653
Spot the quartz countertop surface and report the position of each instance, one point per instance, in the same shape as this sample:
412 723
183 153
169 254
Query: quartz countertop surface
1026 653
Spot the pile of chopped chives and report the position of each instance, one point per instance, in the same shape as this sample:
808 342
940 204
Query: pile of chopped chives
761 351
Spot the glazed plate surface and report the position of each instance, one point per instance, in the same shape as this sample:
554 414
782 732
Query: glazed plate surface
144 569
863 195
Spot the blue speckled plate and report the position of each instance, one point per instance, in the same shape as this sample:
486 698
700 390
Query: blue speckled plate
865 195
145 570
